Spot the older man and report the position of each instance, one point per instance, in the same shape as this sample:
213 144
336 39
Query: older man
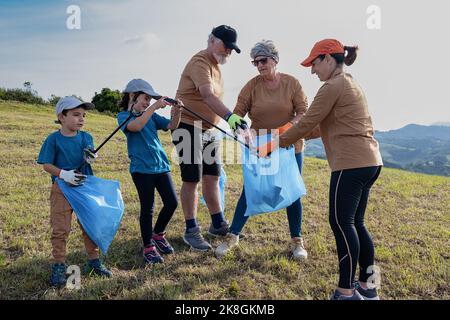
201 90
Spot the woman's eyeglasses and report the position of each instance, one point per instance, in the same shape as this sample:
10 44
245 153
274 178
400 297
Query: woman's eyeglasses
262 60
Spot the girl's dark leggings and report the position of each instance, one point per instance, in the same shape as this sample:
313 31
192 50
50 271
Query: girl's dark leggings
145 185
349 192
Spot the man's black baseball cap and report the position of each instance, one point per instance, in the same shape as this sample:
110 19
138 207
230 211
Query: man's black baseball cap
228 35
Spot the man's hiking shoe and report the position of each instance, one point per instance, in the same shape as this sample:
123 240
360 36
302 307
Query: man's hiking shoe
219 232
151 255
96 267
367 294
340 296
297 249
161 243
194 238
231 240
58 277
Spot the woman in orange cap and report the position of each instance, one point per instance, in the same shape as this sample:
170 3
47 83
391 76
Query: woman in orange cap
340 108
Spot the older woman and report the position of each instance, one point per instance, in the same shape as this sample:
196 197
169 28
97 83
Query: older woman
340 108
271 100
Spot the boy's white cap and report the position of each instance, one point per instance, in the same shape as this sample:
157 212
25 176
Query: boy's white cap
136 85
70 102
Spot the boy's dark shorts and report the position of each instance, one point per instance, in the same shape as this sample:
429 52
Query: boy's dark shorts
204 157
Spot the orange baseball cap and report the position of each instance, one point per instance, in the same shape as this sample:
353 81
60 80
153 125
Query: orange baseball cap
327 46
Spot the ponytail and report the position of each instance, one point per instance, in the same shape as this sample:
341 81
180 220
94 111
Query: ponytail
348 59
352 53
123 104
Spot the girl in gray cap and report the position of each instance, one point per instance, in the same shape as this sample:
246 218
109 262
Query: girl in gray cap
149 165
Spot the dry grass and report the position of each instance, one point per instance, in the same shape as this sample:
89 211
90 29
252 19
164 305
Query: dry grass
408 215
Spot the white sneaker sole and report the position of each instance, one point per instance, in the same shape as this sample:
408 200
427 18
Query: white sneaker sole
220 255
300 258
223 253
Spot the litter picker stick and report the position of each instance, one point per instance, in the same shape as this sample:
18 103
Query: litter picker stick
175 102
114 132
132 113
203 119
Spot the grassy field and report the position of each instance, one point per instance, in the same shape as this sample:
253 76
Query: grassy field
408 215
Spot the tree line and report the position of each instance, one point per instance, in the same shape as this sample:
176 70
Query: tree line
105 101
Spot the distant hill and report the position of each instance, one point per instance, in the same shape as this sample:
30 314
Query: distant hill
414 147
445 124
418 131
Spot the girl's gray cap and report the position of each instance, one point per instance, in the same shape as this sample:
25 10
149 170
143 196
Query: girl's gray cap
137 85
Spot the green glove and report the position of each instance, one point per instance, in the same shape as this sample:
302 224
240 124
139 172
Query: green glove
234 121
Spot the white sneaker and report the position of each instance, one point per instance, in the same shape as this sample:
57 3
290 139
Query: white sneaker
298 249
231 240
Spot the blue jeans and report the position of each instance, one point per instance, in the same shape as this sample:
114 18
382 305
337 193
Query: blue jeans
294 211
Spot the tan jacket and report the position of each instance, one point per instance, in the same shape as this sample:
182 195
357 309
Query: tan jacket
200 70
340 108
272 108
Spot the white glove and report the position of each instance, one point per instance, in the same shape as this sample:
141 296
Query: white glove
89 156
72 177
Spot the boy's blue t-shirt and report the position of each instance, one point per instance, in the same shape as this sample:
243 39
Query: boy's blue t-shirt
66 152
145 150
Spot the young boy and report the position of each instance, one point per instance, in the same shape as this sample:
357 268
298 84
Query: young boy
61 154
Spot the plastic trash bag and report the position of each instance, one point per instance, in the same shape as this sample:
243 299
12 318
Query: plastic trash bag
222 183
99 207
272 183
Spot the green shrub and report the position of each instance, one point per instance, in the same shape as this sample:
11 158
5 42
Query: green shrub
107 100
53 100
21 95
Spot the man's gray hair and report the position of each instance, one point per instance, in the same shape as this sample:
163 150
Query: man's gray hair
265 48
212 37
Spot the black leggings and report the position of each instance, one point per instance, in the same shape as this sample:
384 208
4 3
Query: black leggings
349 192
145 185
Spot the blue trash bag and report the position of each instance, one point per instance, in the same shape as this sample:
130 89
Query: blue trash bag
222 183
271 184
99 207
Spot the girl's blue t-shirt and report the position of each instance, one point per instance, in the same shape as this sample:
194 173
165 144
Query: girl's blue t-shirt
66 152
145 150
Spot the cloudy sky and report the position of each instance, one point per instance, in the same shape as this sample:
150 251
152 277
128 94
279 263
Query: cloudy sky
402 66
